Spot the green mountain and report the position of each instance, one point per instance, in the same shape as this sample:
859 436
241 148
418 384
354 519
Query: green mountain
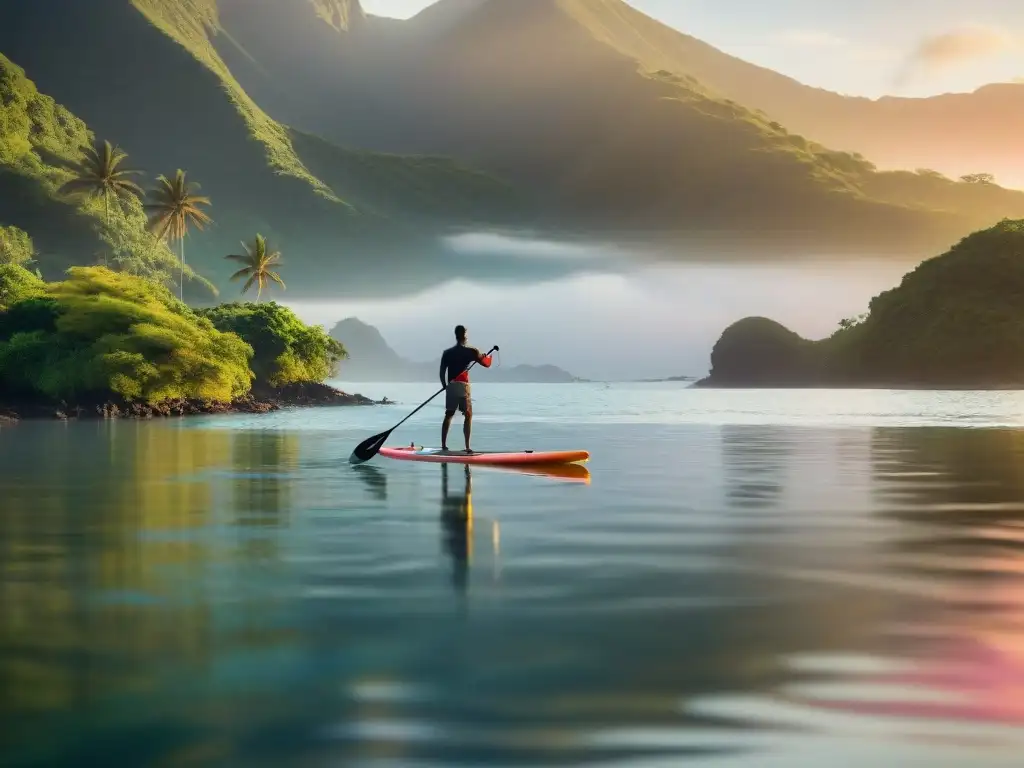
596 110
957 320
355 143
145 76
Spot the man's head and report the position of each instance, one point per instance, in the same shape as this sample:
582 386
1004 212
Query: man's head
460 334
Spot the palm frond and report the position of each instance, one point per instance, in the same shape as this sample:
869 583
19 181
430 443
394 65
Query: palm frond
240 273
123 188
197 217
276 278
160 223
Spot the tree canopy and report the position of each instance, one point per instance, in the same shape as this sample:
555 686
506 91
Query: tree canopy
15 246
101 333
17 283
286 350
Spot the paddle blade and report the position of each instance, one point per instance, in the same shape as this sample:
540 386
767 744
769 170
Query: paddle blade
367 449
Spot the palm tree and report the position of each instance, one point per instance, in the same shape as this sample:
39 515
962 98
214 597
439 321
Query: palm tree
99 175
258 262
175 206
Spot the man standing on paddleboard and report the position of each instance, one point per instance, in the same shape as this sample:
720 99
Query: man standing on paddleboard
455 361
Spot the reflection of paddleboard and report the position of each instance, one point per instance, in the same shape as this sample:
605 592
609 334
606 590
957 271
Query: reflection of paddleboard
575 473
496 458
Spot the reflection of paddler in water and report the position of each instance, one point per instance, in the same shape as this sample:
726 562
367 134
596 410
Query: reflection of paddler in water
457 523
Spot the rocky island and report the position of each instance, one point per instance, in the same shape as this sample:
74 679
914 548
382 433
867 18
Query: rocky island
954 322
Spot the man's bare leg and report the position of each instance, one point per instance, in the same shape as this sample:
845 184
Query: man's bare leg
444 429
467 427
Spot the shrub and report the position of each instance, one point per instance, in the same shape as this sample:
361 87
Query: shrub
101 333
286 350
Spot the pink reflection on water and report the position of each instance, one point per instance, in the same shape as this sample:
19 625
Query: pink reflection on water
971 667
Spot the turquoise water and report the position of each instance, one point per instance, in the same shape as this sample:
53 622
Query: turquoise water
747 579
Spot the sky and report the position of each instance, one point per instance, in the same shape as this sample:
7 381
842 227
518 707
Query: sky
864 48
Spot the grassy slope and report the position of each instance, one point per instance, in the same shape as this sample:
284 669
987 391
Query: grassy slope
957 133
373 182
397 185
187 22
39 139
341 15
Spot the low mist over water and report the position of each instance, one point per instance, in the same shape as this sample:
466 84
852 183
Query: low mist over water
614 314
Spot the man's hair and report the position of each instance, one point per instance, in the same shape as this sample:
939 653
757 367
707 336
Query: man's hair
460 333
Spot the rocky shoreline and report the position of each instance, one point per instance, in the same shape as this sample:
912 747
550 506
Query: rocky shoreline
263 401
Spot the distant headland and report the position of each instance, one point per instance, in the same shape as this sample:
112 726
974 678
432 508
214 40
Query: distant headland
954 322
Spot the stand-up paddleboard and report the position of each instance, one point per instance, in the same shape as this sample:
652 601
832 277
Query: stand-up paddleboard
496 458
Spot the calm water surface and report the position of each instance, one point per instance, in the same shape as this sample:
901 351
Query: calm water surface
747 579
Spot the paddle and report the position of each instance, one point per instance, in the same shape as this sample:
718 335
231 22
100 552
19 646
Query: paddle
367 449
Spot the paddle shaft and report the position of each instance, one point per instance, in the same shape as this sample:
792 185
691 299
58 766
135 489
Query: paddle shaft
425 402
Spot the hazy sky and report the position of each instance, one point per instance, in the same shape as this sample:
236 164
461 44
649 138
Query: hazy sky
652 322
859 47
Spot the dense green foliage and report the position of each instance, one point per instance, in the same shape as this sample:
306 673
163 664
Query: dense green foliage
286 350
955 320
101 333
15 246
17 283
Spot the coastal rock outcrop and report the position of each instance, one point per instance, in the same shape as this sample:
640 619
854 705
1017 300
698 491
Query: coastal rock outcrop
954 322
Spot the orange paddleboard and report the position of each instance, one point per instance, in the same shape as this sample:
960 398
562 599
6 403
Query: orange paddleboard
494 458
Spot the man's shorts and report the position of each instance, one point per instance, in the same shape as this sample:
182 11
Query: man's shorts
457 398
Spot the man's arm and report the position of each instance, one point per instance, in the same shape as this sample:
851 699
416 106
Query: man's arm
484 360
444 367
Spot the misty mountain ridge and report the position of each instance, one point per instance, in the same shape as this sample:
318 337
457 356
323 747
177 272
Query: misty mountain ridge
357 143
953 133
372 359
661 147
